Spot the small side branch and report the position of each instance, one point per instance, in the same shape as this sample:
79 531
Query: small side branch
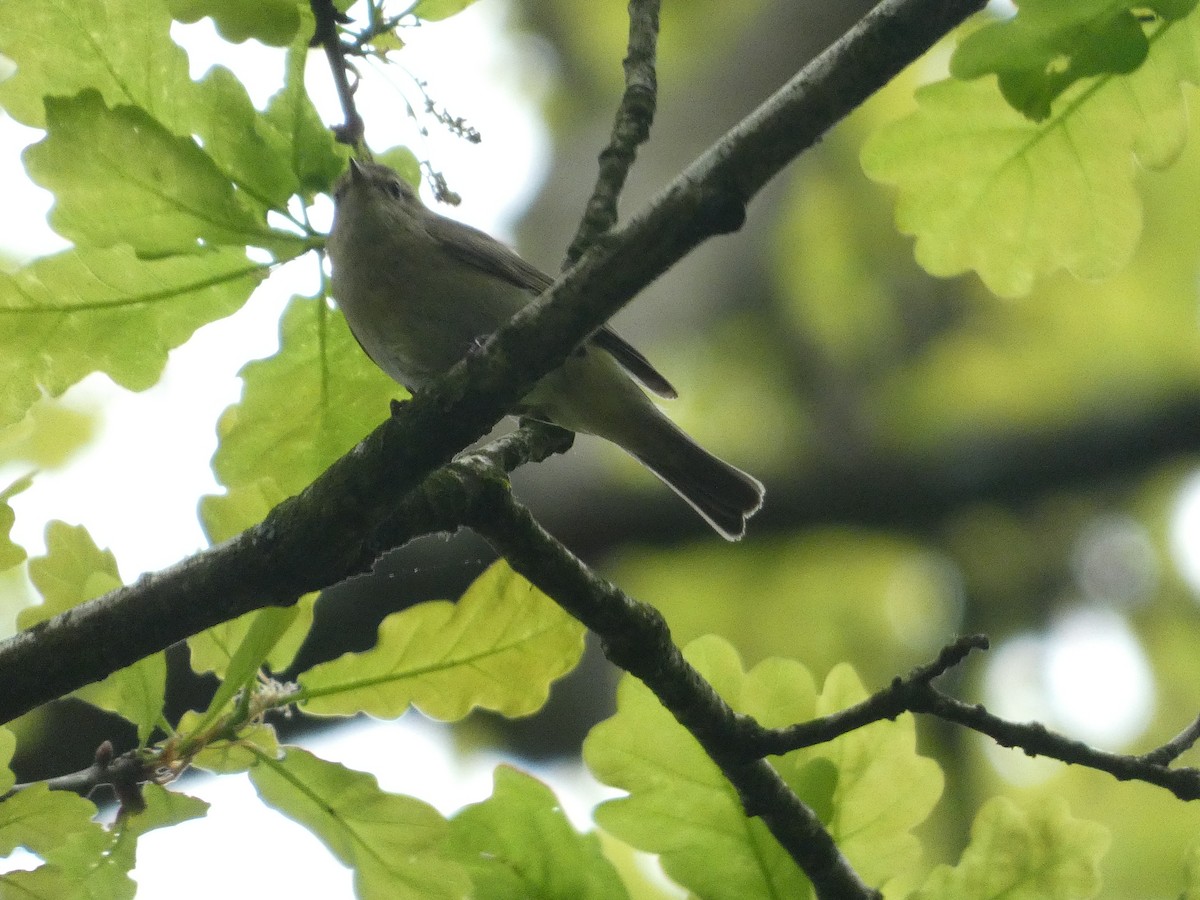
125 774
326 35
915 693
897 698
631 127
1035 739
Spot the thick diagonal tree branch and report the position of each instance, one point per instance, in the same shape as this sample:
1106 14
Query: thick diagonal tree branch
319 537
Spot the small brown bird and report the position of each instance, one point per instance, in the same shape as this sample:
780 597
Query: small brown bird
418 289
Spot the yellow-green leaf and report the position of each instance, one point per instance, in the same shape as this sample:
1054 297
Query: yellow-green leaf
300 410
120 177
274 22
518 844
73 571
393 843
434 10
498 648
214 650
1036 853
42 820
10 553
65 316
983 188
226 757
122 48
869 787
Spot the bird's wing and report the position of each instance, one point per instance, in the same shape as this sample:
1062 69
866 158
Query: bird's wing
484 252
633 362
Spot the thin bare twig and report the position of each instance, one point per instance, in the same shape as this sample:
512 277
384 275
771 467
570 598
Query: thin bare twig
125 774
916 694
1176 747
1035 739
888 703
326 35
631 127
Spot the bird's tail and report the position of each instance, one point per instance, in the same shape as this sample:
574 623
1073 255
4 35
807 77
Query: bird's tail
591 393
723 494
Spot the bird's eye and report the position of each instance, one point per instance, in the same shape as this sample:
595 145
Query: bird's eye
393 188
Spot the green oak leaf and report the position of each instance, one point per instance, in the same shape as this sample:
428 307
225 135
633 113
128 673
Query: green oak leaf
301 409
404 161
869 787
42 821
8 746
500 647
394 844
242 143
273 154
224 649
313 155
136 693
267 627
1048 46
121 48
518 843
92 861
984 188
435 10
273 22
101 867
74 570
11 553
226 757
163 809
120 177
1036 853
87 310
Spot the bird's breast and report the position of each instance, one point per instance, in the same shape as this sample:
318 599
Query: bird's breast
416 314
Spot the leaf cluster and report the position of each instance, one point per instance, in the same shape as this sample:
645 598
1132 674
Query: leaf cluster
1047 182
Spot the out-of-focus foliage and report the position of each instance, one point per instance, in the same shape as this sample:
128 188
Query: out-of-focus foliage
272 22
1047 47
1042 852
10 554
817 598
1029 197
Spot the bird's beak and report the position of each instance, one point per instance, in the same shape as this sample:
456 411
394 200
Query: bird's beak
358 172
